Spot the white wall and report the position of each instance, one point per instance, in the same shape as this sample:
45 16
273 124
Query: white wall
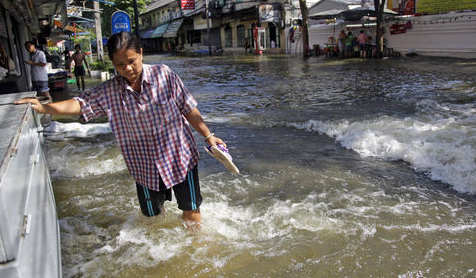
450 35
445 35
319 34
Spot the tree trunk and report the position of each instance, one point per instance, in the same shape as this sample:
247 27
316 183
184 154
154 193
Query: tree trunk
379 6
305 31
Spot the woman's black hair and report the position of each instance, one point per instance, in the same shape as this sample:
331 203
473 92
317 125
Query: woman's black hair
121 40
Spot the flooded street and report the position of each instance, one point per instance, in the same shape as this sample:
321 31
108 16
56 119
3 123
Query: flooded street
349 168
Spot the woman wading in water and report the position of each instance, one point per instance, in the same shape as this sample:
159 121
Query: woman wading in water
149 111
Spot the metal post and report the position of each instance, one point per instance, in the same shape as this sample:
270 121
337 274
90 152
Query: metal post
208 29
136 16
97 22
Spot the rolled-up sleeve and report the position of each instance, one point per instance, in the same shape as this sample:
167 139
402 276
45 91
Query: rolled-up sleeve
91 104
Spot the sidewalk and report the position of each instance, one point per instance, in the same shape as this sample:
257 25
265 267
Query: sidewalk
70 91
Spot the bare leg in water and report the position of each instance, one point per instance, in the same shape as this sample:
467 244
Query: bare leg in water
192 219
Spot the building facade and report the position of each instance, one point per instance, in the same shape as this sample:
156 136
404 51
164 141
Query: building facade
166 27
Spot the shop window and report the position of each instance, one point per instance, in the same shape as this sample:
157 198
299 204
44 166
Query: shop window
272 37
228 37
249 35
5 51
16 51
240 33
194 36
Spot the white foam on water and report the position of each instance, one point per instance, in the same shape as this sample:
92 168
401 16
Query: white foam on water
281 219
145 245
229 118
81 160
60 131
266 227
432 228
440 141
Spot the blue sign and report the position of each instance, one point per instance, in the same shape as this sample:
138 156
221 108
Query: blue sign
120 21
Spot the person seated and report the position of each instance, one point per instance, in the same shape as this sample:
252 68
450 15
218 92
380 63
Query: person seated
329 49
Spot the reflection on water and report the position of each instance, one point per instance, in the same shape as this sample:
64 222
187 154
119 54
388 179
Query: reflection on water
350 168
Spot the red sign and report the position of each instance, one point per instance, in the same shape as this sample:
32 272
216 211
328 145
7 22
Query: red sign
188 5
398 29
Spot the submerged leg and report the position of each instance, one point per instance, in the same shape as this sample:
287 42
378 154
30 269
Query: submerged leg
192 219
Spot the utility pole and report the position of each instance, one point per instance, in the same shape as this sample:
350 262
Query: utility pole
208 29
97 22
379 6
305 30
136 16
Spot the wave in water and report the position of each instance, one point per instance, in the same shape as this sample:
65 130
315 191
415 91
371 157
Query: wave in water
442 146
81 159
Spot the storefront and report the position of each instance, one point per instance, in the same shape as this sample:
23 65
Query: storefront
13 72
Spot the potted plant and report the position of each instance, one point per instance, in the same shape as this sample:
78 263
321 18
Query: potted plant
95 68
100 70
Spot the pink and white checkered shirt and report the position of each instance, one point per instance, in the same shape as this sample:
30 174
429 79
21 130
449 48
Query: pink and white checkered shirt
154 136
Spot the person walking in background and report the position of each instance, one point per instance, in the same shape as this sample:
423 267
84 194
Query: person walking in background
67 60
79 57
39 72
247 45
362 41
341 42
150 112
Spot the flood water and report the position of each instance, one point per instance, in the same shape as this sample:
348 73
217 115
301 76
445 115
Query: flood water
354 168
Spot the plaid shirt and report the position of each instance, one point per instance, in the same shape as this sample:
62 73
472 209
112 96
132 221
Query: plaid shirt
154 137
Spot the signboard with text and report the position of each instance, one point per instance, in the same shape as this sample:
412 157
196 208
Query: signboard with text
120 21
438 6
269 13
188 5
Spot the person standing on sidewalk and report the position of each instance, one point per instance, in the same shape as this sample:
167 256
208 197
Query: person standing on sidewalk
150 112
341 43
247 45
362 41
39 73
78 58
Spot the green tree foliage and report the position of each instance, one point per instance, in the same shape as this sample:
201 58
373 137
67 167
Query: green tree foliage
108 10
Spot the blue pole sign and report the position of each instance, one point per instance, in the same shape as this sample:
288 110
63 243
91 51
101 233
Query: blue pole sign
120 21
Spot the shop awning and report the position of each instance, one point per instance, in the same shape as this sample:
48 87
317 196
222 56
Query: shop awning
146 33
173 28
159 30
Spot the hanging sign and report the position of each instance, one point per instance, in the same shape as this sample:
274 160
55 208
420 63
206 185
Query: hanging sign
120 21
188 5
269 13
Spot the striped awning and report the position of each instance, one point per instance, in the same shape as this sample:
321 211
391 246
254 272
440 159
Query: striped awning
173 28
159 30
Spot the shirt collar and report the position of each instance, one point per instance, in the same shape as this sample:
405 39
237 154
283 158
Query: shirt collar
147 74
